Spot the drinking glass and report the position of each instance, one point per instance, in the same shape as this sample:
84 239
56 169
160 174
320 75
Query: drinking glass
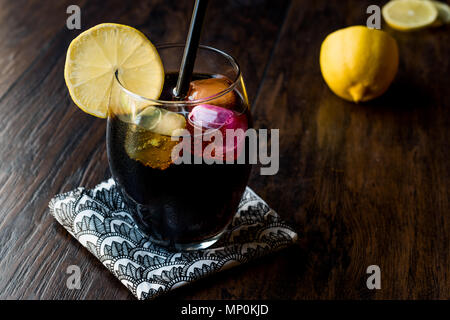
182 206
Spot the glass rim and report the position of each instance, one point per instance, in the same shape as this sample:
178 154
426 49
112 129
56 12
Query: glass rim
234 83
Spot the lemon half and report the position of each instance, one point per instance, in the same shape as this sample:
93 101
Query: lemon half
409 14
93 58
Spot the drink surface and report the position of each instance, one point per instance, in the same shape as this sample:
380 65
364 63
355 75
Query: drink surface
178 203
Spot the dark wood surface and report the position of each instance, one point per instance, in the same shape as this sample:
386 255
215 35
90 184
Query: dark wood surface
362 184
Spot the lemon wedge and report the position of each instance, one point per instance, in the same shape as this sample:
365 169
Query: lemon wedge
93 58
408 15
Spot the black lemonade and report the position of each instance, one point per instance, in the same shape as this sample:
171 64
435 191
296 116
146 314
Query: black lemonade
179 204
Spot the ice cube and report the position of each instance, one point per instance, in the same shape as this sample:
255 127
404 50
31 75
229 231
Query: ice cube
149 117
161 121
205 88
170 124
207 116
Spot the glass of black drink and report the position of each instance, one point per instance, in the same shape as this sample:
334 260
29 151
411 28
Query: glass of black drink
182 164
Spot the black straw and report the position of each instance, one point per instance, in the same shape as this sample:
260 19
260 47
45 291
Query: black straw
190 50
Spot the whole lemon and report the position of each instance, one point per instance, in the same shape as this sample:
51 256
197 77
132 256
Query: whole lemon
359 63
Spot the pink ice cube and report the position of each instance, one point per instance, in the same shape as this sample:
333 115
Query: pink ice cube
206 116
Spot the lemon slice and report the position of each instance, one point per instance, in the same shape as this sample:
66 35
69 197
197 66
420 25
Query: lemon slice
409 14
93 58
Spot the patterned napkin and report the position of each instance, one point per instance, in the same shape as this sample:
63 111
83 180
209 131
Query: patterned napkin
100 221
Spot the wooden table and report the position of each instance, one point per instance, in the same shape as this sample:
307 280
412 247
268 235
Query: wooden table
362 184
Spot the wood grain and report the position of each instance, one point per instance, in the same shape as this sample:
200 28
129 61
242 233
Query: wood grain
24 32
367 184
363 184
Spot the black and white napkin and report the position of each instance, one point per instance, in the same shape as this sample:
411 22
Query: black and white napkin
99 219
